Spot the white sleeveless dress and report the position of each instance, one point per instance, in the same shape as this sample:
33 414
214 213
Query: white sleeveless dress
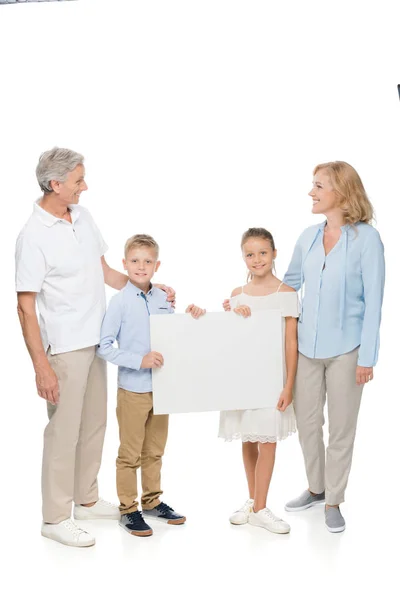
262 424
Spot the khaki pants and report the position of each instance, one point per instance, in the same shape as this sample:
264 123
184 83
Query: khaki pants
143 437
336 378
74 436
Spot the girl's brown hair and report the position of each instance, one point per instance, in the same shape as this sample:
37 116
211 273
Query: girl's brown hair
353 199
258 232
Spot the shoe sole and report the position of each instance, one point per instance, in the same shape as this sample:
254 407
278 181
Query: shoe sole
335 529
268 529
170 522
88 545
95 518
137 533
239 522
305 507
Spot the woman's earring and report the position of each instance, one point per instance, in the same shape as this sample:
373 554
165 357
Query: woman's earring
273 265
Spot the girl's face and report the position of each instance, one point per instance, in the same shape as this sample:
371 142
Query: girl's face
323 195
258 256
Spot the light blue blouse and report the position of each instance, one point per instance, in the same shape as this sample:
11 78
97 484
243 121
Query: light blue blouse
341 293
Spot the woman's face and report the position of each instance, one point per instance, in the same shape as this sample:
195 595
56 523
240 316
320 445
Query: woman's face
324 197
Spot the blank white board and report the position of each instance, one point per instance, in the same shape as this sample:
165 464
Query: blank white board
221 361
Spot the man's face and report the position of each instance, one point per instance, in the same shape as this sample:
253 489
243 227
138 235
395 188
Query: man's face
70 190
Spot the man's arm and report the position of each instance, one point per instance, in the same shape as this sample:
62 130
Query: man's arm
46 379
113 278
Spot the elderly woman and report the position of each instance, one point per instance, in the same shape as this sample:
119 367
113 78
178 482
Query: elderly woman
340 265
60 265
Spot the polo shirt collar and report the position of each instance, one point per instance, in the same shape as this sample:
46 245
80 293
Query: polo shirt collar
138 291
48 219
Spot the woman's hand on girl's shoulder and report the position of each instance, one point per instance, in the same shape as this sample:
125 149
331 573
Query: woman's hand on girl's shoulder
226 305
284 399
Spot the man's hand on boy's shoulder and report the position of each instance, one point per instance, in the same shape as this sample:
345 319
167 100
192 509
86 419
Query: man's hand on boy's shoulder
171 294
195 311
152 360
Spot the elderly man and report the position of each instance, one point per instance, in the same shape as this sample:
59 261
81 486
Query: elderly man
60 265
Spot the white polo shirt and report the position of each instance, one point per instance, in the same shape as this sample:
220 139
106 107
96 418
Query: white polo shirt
61 263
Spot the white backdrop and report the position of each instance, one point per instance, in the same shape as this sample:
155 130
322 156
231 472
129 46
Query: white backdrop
199 119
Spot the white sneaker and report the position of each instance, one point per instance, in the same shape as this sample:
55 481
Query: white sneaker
100 510
68 533
241 516
265 518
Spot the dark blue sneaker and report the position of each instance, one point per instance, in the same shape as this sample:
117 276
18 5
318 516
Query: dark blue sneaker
163 512
134 524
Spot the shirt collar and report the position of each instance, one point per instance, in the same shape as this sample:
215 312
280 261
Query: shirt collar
138 291
343 228
48 219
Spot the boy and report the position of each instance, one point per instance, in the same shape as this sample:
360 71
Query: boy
143 435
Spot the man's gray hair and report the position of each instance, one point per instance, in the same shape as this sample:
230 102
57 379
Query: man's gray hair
55 164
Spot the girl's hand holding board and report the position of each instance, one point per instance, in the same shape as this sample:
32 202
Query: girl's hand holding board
243 310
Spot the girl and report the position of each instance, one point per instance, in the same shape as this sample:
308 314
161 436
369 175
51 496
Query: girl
341 263
260 429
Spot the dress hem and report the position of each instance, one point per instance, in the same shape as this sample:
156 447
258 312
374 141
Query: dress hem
255 437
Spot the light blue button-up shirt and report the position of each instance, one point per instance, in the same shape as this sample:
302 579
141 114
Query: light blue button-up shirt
127 322
341 293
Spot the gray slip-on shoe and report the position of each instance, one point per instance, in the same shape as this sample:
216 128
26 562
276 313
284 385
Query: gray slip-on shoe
334 520
304 501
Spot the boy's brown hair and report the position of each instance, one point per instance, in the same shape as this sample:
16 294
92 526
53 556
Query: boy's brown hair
141 239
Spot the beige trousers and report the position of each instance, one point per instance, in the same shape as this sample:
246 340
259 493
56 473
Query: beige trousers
143 437
74 436
317 379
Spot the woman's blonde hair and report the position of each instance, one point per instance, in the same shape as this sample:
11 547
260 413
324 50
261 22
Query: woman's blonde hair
347 184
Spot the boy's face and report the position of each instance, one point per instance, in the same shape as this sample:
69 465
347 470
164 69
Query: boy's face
141 263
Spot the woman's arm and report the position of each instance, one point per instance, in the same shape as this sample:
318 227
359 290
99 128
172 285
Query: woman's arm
293 274
373 278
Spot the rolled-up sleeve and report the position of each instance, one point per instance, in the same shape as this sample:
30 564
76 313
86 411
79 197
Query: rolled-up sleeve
109 334
373 277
